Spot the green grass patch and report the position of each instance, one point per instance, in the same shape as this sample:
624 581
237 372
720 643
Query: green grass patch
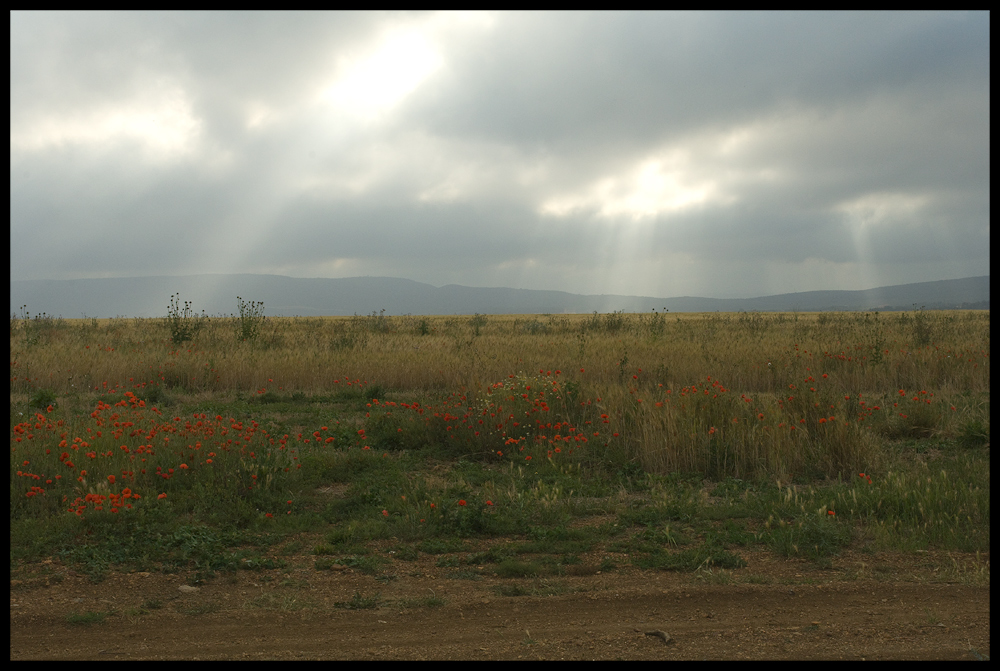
359 602
514 568
88 618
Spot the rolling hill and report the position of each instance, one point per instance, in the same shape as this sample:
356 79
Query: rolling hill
287 296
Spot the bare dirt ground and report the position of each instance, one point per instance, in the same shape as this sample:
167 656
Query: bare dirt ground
924 606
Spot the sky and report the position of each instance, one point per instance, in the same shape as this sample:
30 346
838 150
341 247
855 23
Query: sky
723 155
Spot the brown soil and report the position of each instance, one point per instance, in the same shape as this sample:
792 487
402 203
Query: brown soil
923 606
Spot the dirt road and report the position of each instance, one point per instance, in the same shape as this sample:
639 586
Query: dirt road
862 608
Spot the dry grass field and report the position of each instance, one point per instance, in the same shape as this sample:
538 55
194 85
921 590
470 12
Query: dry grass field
521 450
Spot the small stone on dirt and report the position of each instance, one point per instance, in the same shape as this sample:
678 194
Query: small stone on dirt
664 636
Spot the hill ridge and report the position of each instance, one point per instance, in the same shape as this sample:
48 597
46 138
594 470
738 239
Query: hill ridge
287 296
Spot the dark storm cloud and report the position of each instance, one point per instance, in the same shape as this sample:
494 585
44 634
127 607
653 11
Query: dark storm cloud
641 77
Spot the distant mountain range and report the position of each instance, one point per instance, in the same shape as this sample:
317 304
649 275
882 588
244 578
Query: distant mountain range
287 296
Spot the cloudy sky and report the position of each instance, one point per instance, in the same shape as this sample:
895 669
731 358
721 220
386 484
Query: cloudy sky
721 155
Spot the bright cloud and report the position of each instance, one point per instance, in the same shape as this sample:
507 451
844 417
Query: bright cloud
653 188
371 84
161 122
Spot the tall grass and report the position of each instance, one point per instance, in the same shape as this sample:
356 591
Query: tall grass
728 395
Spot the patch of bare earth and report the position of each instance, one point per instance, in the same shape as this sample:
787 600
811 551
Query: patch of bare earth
863 607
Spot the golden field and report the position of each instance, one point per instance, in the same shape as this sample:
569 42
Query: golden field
732 394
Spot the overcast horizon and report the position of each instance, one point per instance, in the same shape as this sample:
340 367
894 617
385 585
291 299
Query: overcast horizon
724 155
